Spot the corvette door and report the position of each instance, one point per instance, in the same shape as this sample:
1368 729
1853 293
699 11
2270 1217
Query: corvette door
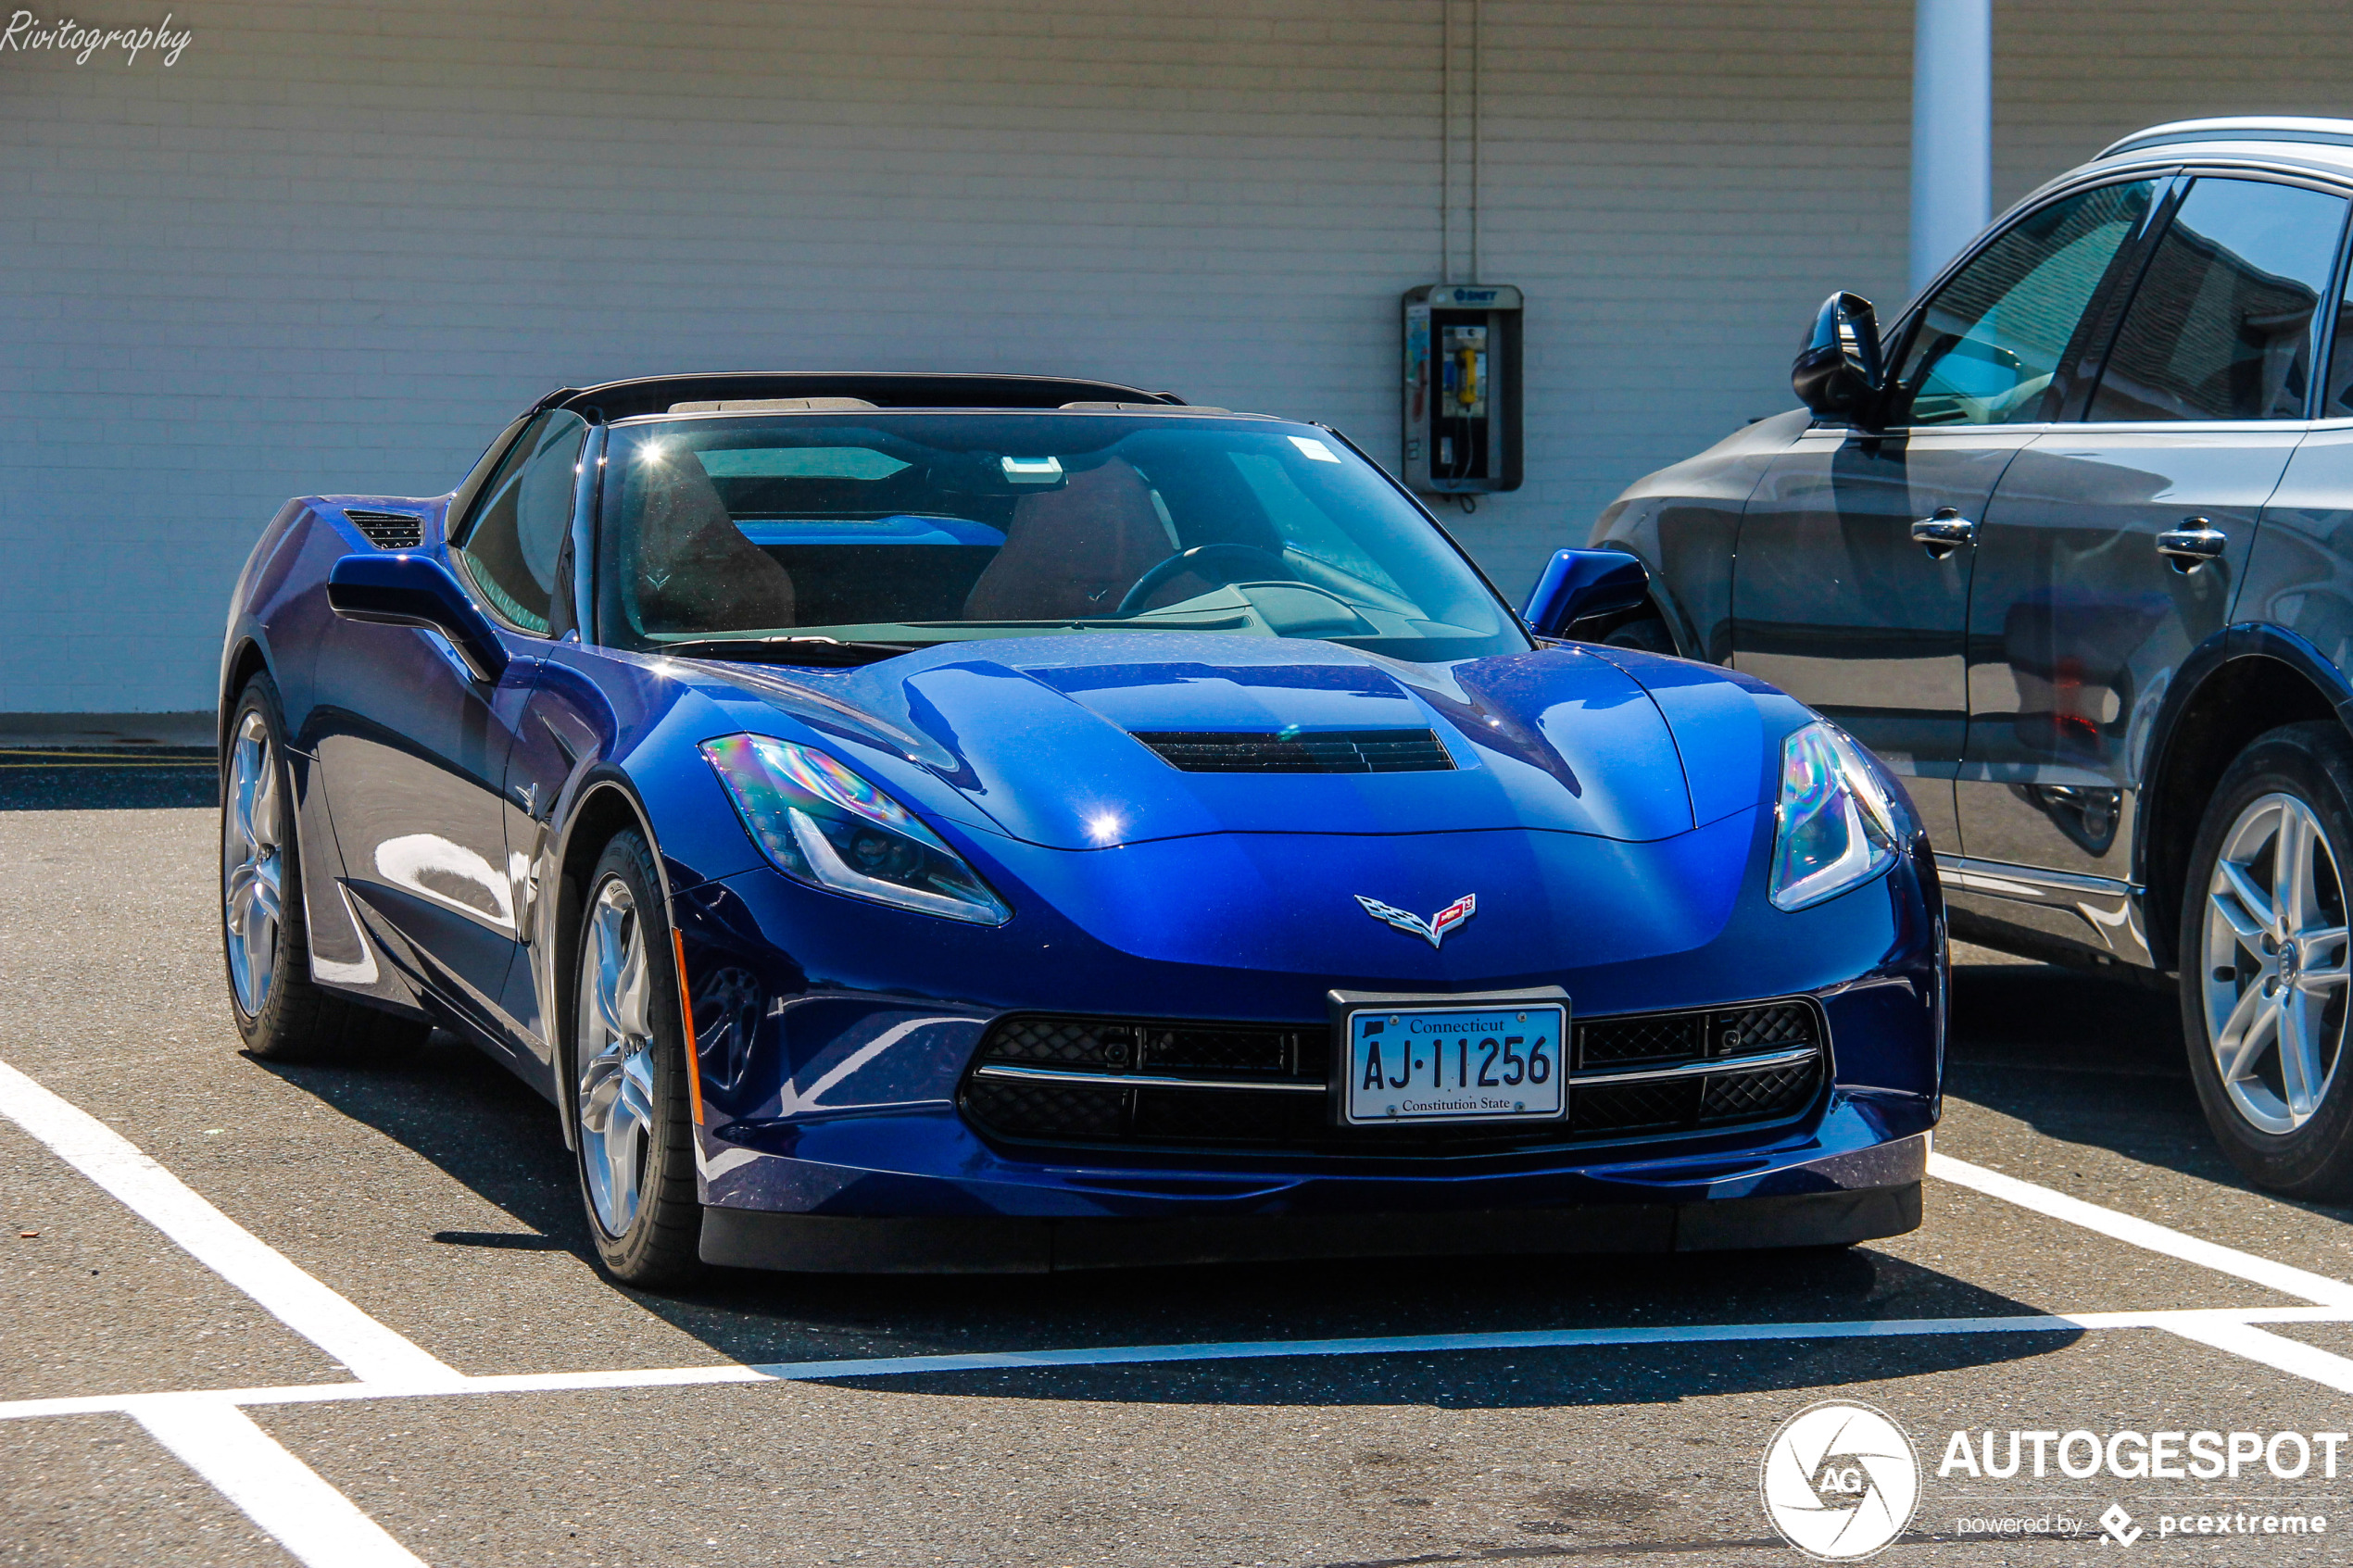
415 749
1850 586
2115 545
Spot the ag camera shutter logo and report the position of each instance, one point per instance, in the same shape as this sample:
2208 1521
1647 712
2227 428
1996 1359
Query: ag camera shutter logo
1840 1481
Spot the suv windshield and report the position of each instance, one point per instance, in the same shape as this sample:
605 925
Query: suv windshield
906 530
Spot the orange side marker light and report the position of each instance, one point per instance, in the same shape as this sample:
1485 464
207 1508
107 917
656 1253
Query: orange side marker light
686 1010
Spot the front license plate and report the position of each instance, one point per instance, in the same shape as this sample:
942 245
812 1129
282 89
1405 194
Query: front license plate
1455 1065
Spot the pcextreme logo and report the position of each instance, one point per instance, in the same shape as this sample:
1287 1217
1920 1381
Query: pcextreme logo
1840 1481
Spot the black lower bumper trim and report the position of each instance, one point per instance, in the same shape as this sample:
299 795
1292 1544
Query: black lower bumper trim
747 1238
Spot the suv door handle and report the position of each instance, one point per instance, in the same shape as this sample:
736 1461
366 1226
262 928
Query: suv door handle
1942 532
2192 545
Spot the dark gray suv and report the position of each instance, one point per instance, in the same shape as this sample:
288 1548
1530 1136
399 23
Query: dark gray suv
2070 546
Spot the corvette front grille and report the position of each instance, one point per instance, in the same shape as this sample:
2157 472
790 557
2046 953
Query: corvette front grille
1329 751
1144 1082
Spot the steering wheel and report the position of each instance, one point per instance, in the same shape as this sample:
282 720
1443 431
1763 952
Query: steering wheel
1249 560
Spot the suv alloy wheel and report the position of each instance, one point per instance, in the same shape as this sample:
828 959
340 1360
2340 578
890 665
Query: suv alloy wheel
2265 988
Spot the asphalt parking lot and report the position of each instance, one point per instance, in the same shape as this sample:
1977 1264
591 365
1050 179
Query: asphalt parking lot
1604 1409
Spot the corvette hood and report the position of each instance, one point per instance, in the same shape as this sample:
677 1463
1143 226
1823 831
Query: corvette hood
1039 737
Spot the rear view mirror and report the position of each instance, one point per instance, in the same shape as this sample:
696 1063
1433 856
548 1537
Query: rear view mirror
1838 373
416 591
1577 584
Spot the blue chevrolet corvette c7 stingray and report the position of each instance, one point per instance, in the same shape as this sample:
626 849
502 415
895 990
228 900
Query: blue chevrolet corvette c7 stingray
937 822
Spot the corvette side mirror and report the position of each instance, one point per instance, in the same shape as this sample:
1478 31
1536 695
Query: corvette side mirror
1838 374
416 591
1577 583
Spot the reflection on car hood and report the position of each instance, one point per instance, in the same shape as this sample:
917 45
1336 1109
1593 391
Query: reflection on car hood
1038 736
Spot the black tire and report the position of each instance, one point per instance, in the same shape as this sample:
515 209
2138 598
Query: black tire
656 1245
2312 764
1648 634
293 1018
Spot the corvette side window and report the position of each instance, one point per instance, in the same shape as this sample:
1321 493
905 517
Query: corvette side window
2222 321
1990 343
510 552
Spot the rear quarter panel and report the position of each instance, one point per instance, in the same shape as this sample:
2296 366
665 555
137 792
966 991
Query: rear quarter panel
2300 575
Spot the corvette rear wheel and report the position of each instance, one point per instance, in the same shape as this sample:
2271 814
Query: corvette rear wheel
280 1013
630 1100
2265 1009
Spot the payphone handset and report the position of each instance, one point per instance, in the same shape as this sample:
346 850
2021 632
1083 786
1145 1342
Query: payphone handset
1462 388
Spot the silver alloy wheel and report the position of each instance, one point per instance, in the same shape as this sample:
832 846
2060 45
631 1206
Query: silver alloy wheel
616 1057
2274 964
252 863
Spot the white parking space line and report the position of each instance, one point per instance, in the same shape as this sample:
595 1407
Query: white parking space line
364 1347
2276 1351
315 1522
210 1433
1445 1344
2207 1324
2145 1234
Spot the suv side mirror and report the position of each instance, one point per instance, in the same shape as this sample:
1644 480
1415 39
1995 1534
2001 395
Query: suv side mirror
416 591
1577 583
1839 373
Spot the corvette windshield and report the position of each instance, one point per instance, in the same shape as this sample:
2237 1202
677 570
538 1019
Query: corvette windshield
883 531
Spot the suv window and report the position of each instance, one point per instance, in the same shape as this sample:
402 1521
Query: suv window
517 530
2222 323
2336 393
1990 343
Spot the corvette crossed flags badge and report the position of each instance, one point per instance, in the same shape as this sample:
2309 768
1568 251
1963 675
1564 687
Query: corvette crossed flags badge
1432 930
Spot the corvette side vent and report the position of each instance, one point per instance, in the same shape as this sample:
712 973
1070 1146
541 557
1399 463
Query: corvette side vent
388 531
1326 751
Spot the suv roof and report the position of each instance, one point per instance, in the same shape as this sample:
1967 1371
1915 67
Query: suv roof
654 394
2278 129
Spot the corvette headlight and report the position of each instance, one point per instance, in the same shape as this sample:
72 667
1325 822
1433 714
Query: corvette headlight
1837 826
828 826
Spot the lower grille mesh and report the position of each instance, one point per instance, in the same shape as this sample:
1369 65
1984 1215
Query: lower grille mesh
1049 1111
1240 1058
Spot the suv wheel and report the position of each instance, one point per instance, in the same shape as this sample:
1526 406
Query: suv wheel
2264 1008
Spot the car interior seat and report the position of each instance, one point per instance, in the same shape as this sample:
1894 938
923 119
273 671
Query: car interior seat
1073 550
696 570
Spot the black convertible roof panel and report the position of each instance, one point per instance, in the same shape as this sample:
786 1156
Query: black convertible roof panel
654 394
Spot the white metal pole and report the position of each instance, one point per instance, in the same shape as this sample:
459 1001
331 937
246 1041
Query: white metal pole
1952 129
1446 142
1478 89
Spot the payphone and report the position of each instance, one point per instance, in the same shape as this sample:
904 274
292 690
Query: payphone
1462 388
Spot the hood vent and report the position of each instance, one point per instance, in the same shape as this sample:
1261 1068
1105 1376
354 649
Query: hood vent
1328 751
388 531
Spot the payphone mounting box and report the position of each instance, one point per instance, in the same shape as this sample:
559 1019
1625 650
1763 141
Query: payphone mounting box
1462 388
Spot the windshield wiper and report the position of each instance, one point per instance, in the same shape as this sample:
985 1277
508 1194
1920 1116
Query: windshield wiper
787 650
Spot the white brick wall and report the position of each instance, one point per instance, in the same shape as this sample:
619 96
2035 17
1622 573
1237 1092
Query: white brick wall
335 245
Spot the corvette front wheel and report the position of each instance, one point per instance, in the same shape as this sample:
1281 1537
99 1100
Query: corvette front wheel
629 1077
